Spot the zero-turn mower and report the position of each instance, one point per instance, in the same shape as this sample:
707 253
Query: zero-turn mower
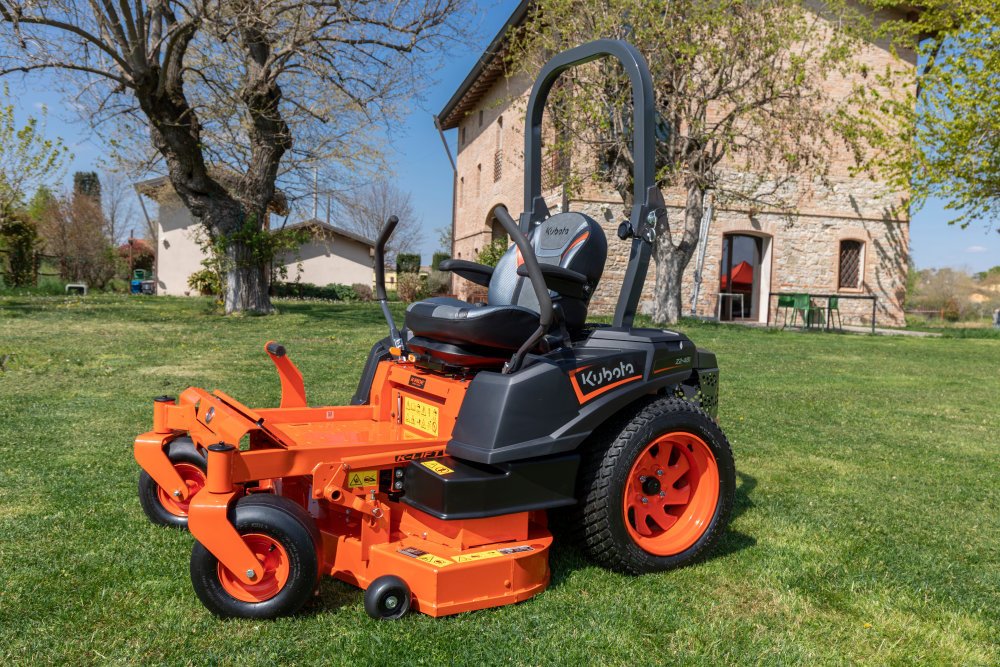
431 489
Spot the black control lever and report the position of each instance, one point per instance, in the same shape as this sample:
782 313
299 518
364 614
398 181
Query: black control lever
537 283
380 293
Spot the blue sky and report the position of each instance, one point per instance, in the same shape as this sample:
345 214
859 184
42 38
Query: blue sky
421 166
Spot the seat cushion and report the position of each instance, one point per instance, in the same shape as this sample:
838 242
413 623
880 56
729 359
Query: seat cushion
461 323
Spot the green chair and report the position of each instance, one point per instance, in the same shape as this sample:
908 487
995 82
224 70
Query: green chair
785 302
833 305
802 304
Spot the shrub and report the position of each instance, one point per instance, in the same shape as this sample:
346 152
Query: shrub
363 292
342 292
117 286
410 287
21 238
438 258
206 281
407 263
951 311
438 282
492 253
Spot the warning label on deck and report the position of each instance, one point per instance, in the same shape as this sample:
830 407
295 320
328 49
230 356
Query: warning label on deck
439 468
482 555
362 478
493 553
420 555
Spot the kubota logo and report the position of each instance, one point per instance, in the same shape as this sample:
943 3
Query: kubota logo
556 231
598 377
593 380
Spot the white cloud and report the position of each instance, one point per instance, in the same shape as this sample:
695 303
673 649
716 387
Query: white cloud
976 249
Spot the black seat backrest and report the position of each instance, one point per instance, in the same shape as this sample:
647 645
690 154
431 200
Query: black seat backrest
571 240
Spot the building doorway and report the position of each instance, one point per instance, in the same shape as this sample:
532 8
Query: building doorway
744 278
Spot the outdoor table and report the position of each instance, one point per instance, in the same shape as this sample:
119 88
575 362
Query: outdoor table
824 295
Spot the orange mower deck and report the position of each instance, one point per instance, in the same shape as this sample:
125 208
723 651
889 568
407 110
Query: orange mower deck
334 460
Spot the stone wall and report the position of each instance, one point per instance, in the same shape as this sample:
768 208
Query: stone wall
803 249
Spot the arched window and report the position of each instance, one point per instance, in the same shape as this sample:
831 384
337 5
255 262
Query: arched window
851 265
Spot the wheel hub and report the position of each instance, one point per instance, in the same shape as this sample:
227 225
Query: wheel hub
671 493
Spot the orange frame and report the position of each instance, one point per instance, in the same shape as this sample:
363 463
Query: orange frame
309 455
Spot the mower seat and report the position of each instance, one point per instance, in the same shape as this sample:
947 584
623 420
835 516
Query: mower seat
461 333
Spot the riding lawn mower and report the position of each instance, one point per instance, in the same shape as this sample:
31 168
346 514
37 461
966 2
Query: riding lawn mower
432 489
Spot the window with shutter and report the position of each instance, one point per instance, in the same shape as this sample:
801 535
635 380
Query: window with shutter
850 264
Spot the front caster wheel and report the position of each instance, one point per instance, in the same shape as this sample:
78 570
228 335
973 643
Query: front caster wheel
283 537
159 505
657 490
387 598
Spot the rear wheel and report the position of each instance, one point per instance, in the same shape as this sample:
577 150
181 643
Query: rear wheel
160 506
656 490
283 537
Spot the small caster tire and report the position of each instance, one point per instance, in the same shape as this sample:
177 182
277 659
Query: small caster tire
387 598
159 506
284 538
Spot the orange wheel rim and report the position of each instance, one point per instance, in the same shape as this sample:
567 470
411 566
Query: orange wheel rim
272 557
194 478
671 493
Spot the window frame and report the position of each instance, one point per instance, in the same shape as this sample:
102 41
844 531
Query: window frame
862 252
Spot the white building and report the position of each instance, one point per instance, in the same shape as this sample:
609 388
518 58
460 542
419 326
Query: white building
332 255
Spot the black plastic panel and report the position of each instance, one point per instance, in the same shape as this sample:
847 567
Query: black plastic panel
544 409
448 488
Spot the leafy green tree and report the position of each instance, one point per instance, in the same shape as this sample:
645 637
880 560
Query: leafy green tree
407 263
20 240
946 141
28 158
490 255
742 98
87 184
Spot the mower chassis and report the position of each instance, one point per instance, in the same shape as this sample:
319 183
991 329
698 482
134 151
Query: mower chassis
341 463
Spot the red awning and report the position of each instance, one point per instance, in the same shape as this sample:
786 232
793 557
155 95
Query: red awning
742 277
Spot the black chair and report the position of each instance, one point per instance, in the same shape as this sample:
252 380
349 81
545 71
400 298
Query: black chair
571 249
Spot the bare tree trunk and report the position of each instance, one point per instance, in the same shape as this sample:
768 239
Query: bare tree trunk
674 250
247 282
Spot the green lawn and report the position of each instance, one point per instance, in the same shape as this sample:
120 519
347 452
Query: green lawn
867 525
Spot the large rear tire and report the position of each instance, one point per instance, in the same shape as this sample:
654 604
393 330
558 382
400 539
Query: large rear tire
656 490
285 540
160 507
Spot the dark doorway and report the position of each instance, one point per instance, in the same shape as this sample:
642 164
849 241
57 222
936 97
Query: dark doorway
740 277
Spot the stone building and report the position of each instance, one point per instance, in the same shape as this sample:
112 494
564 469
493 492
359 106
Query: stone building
848 239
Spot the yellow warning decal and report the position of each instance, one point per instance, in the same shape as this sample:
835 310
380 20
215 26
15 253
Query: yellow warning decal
421 416
482 555
437 467
425 557
434 560
362 478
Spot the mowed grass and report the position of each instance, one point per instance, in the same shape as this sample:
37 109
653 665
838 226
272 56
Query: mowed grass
867 525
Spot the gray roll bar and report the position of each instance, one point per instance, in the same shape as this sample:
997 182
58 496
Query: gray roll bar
647 203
